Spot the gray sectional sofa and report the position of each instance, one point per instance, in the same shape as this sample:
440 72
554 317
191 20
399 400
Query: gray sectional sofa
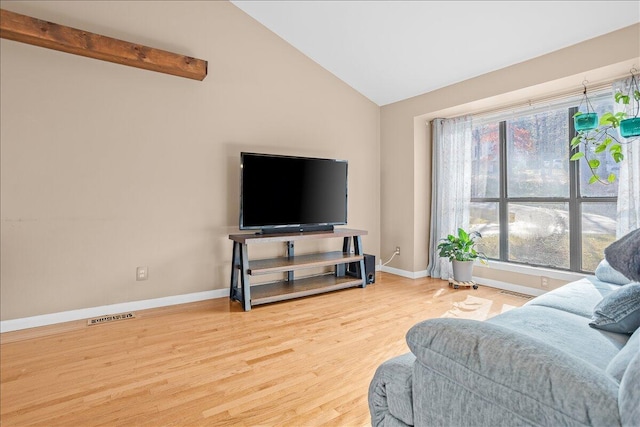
538 365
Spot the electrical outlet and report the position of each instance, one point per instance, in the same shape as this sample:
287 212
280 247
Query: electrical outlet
142 273
544 282
398 250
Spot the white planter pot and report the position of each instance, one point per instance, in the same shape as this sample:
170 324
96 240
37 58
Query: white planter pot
462 270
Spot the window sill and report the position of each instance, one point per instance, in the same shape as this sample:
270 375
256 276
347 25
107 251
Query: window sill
568 276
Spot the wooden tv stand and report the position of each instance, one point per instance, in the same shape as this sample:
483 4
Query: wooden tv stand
241 268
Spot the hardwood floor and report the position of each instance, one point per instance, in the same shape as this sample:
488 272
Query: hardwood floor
302 362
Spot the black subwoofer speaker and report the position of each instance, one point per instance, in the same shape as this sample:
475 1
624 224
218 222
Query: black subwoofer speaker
370 268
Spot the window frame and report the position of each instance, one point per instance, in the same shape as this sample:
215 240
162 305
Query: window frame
575 200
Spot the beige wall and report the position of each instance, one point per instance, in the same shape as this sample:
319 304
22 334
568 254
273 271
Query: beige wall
405 137
106 168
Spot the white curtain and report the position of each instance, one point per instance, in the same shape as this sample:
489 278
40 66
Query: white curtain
628 217
451 186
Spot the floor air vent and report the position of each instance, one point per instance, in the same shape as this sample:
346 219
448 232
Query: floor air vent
516 294
110 318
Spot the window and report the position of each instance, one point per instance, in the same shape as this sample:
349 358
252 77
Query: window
530 203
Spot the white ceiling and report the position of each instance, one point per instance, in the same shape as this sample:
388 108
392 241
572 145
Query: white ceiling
393 50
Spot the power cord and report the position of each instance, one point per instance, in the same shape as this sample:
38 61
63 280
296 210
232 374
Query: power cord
390 259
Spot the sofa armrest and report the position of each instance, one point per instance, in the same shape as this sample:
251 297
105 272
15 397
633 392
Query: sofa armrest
630 393
390 401
498 376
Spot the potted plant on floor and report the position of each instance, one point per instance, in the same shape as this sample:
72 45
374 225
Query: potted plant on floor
461 252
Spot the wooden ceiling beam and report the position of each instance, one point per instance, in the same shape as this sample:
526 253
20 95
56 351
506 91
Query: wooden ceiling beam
26 29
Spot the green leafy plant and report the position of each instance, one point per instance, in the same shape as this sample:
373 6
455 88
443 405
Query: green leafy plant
461 247
602 140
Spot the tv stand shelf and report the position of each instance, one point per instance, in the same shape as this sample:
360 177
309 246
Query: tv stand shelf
241 290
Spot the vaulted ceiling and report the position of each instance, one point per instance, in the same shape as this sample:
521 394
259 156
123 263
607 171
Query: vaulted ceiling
393 50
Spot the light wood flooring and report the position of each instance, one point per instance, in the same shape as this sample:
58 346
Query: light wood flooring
302 362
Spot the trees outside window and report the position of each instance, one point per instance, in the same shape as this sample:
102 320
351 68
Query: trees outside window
530 203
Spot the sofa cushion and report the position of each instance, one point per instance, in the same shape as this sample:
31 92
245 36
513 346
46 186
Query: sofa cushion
619 363
619 311
564 330
579 297
624 255
606 273
478 373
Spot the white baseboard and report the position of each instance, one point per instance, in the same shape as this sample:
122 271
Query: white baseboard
404 273
509 286
480 280
86 313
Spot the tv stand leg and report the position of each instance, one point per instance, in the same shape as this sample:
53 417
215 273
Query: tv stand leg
246 292
235 294
239 264
290 254
346 245
357 244
341 269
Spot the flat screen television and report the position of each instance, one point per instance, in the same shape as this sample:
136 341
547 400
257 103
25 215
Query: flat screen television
292 194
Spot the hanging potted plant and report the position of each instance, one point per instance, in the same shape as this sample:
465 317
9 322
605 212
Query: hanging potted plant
584 121
461 252
601 139
630 127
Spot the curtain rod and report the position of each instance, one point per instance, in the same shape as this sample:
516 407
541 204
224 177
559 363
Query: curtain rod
596 87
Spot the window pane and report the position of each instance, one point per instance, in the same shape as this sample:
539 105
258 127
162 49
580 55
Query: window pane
607 166
484 218
539 234
598 232
538 155
485 164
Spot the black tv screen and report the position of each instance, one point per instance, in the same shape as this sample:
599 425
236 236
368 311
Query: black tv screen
287 194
